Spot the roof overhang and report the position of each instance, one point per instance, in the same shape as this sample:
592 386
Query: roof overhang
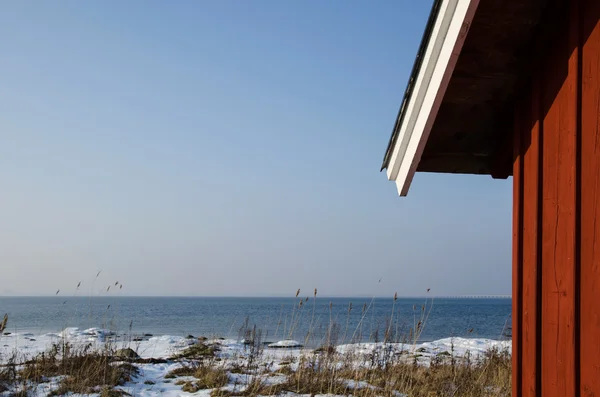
454 114
445 40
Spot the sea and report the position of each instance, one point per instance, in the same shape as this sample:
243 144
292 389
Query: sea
340 320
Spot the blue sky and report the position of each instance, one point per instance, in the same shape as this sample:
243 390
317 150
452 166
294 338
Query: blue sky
226 148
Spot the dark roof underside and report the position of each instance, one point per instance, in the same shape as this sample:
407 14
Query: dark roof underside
473 127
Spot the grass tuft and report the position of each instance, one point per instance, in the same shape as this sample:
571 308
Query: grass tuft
82 370
196 351
208 376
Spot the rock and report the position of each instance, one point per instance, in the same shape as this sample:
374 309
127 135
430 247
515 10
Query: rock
7 333
190 337
126 353
285 344
202 338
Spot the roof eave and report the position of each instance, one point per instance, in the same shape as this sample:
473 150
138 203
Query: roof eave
426 89
411 80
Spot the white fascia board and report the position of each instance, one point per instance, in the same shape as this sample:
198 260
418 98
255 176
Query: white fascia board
448 35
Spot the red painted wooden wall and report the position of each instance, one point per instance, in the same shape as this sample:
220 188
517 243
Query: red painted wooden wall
556 232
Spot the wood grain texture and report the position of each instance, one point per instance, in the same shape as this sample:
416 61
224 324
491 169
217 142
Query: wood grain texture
547 211
590 201
517 262
531 248
558 216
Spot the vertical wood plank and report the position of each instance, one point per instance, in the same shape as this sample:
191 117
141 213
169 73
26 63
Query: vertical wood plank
517 253
531 258
590 201
558 214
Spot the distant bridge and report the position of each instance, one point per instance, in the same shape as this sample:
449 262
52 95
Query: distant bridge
473 297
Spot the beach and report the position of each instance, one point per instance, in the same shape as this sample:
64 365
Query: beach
244 363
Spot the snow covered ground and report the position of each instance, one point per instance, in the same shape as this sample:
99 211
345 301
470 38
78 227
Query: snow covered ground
151 380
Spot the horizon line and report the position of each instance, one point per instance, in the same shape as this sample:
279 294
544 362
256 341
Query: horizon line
462 296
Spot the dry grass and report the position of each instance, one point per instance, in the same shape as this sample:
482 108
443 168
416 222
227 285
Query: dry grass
208 376
3 323
82 370
211 377
186 370
490 377
196 351
384 372
329 372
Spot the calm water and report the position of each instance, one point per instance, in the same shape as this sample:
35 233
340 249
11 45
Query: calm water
279 318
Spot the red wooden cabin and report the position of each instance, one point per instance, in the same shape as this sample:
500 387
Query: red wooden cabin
512 87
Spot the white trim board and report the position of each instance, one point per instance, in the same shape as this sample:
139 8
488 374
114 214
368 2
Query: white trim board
447 38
